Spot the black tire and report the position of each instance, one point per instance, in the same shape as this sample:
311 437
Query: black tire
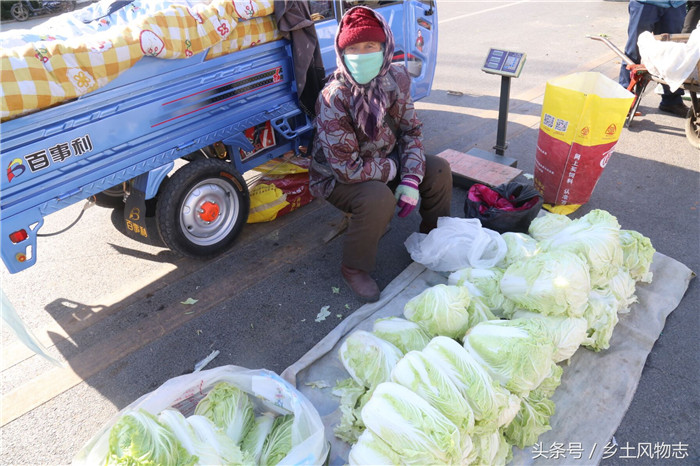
112 198
68 6
217 187
692 128
19 12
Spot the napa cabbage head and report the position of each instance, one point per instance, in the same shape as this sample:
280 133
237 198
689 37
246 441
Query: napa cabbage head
279 443
492 449
254 440
601 316
545 226
551 283
623 288
519 246
595 237
225 449
371 449
441 310
493 405
552 381
138 438
531 421
229 408
404 334
368 358
482 283
205 451
416 372
411 426
568 333
637 254
353 398
516 353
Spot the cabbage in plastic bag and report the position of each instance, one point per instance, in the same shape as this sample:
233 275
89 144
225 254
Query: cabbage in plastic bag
229 408
139 438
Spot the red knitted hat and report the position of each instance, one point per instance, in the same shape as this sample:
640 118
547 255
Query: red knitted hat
360 25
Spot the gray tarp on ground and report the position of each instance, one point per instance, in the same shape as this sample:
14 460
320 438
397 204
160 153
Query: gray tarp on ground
596 388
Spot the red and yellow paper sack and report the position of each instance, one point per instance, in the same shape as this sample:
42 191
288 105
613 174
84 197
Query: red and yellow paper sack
582 118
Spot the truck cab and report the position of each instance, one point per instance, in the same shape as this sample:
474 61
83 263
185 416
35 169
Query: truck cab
180 133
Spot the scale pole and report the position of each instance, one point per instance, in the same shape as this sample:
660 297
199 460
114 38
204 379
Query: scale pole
501 144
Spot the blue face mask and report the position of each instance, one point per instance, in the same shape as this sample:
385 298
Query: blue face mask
364 67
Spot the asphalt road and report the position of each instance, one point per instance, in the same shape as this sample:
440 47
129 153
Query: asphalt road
111 307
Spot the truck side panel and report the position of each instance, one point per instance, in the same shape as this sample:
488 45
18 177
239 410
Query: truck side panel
62 155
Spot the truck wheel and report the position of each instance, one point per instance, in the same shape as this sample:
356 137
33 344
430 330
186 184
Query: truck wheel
203 208
19 12
692 128
112 198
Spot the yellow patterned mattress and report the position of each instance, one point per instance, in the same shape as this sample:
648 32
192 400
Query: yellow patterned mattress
79 52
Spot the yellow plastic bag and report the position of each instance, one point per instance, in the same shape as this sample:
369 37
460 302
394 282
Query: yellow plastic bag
582 118
281 186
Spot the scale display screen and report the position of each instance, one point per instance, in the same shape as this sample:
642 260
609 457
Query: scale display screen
504 62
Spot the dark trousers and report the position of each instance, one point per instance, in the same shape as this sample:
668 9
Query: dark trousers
657 20
372 205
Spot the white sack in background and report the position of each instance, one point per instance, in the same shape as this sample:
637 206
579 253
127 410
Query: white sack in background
674 62
457 243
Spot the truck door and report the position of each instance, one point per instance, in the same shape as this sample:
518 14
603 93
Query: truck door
413 22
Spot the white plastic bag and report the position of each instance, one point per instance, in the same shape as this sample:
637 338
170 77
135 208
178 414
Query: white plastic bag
457 243
674 62
269 392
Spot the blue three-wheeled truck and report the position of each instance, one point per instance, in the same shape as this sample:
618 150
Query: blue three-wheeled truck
177 132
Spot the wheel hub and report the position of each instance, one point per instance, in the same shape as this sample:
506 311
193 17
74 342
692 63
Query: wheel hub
209 211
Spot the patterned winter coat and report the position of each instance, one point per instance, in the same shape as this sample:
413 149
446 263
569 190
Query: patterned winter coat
345 154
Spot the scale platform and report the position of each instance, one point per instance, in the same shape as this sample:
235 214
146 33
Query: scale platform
479 166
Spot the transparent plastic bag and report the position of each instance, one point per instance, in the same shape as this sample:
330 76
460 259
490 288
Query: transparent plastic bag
457 243
268 391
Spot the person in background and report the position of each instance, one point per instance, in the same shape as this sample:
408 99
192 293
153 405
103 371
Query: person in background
367 153
657 17
692 16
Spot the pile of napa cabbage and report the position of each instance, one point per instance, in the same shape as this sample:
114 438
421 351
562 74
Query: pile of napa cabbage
470 368
224 429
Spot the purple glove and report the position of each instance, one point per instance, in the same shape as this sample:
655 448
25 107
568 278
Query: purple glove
407 194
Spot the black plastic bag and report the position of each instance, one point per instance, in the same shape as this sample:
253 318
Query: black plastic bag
507 207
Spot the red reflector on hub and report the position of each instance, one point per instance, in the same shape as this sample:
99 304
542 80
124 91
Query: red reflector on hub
18 236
